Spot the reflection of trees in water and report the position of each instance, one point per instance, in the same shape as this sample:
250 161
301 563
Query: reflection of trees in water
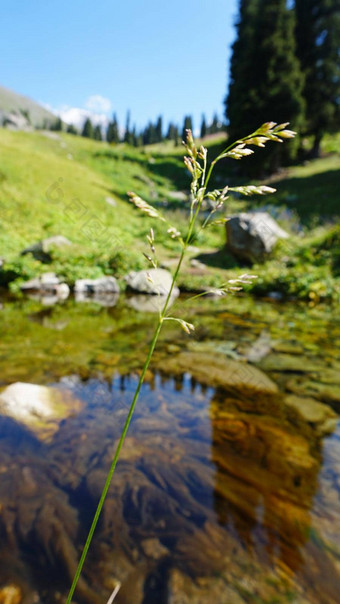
160 511
265 482
266 476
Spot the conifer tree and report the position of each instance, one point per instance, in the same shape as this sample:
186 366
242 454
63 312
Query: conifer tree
115 129
266 80
97 133
152 134
215 124
146 135
176 136
203 132
158 130
57 126
26 114
112 134
133 137
238 101
127 133
171 132
318 48
109 133
139 140
71 129
87 129
187 125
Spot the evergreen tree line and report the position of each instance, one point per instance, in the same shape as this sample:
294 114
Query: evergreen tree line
152 133
285 67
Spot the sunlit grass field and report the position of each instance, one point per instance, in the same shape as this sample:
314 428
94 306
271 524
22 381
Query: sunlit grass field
59 184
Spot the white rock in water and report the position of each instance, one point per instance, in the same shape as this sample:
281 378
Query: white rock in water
40 408
23 401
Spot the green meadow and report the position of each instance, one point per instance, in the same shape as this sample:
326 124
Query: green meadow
59 184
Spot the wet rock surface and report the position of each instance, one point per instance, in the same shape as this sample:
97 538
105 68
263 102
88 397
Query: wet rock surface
215 370
313 412
289 363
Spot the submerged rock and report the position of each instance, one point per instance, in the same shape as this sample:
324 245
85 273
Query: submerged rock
329 375
260 348
153 548
289 363
214 346
40 408
313 412
37 515
327 393
217 371
183 590
288 347
154 281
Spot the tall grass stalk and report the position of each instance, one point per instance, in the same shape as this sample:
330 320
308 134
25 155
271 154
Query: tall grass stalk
196 163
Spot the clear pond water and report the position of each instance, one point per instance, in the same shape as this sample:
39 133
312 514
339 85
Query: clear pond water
228 488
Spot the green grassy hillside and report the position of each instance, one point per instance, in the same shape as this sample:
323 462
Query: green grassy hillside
75 187
61 184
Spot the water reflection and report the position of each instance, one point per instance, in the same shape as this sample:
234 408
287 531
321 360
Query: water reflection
221 494
265 482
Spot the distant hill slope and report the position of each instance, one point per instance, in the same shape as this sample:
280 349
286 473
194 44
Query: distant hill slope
11 102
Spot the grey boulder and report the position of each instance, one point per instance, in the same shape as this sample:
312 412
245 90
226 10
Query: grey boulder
156 281
252 235
47 285
41 250
102 285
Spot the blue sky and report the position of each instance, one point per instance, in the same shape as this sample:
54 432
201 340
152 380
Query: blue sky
152 57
